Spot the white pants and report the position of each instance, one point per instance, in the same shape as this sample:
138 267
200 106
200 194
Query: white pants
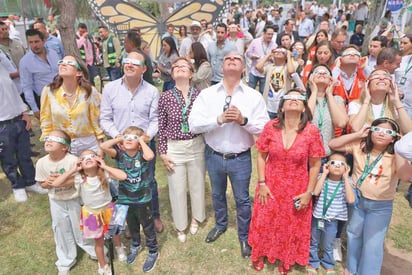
66 228
80 144
189 167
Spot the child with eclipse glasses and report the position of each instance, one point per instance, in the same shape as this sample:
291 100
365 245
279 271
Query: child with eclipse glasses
132 155
64 199
335 191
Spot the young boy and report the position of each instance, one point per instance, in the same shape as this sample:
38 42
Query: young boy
335 191
64 201
132 155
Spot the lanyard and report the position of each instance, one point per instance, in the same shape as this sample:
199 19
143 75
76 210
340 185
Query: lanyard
183 107
381 113
321 113
408 66
326 203
368 168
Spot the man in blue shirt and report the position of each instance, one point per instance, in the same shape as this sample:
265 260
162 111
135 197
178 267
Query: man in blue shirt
52 42
38 67
217 50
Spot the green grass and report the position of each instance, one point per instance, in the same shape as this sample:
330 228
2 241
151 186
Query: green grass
28 245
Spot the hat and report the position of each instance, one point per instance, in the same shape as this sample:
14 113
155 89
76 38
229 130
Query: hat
196 24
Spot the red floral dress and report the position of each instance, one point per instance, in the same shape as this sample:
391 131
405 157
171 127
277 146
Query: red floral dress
277 230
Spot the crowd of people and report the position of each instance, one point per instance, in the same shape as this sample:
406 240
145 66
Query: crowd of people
332 129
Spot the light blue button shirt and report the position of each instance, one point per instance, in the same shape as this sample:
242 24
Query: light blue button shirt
35 73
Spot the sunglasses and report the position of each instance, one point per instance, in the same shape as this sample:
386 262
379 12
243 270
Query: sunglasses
87 157
70 63
380 76
228 99
351 52
279 51
337 163
233 57
294 97
317 72
57 139
131 137
386 131
134 62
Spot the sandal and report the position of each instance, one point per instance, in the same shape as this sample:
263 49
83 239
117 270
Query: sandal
194 227
330 272
311 270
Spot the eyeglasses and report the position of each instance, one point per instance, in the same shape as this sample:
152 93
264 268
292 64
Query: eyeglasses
317 72
386 131
380 76
337 163
228 99
351 52
135 62
87 157
181 65
233 57
57 139
294 97
131 137
70 63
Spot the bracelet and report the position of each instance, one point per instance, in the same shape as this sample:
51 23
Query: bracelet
262 183
398 108
310 192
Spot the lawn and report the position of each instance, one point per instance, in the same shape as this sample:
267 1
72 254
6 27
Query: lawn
28 245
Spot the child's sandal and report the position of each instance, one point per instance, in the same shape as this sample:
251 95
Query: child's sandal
330 272
311 270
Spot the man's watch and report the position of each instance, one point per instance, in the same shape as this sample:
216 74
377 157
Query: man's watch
245 121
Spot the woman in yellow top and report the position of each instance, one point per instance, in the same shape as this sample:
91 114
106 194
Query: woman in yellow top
71 104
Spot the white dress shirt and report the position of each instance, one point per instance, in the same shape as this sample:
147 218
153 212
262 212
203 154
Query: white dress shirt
228 137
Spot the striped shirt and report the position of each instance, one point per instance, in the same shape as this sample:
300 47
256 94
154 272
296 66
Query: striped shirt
338 209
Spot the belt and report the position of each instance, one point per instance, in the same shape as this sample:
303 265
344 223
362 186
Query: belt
230 155
9 121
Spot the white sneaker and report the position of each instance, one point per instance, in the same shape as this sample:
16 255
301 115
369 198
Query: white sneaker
121 255
106 270
20 195
65 272
36 188
181 236
337 250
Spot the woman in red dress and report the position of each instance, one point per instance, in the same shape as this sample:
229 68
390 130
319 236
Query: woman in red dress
288 145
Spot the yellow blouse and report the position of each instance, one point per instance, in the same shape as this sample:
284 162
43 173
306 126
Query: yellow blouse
79 120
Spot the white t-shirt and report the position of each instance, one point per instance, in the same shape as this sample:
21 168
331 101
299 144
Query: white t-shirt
92 192
45 166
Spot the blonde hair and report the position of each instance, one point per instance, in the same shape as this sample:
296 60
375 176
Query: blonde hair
101 174
389 110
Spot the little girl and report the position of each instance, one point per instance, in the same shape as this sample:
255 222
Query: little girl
376 169
335 191
92 176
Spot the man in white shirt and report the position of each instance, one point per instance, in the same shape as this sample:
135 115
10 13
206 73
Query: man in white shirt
229 114
195 29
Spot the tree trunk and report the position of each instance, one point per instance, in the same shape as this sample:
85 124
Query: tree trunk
375 14
66 27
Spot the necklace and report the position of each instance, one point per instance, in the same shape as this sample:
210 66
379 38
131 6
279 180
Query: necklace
68 95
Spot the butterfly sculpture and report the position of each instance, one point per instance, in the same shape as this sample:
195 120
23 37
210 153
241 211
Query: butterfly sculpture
121 16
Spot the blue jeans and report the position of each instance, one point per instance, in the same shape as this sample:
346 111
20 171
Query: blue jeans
323 239
254 80
238 170
114 73
155 192
93 72
15 154
366 232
